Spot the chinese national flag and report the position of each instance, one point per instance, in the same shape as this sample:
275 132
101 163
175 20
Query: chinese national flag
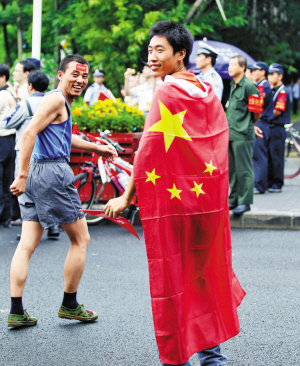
181 177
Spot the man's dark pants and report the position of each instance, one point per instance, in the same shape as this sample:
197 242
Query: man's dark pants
276 155
7 168
295 105
241 176
260 157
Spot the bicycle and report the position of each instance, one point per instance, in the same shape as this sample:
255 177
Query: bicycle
291 152
100 180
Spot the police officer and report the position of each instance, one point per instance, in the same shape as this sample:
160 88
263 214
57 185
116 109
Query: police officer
205 61
281 116
260 146
92 94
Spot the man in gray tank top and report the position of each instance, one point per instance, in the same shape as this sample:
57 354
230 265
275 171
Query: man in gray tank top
47 195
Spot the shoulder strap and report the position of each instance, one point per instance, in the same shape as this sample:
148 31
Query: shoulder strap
29 108
278 91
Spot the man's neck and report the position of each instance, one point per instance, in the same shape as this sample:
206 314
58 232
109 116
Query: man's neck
261 79
238 78
206 68
67 96
23 82
278 84
150 80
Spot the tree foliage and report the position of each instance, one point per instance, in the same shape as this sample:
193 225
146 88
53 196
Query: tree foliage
114 34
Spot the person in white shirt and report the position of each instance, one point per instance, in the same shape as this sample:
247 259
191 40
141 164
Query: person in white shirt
142 94
92 94
20 75
205 61
7 151
296 96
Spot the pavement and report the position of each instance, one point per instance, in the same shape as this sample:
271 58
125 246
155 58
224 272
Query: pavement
274 210
115 284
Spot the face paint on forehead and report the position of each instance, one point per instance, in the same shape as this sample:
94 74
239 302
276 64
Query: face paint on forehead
80 67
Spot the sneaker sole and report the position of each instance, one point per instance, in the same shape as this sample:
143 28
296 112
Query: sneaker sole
21 324
76 317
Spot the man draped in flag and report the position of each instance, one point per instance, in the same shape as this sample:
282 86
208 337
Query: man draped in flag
181 179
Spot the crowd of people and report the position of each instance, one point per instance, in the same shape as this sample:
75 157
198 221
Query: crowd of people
180 178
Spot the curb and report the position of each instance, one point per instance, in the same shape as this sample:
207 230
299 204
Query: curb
266 220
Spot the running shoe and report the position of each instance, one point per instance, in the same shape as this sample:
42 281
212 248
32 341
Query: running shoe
25 320
275 189
77 314
257 191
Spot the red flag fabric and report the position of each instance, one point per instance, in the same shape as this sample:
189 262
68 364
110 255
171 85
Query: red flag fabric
181 177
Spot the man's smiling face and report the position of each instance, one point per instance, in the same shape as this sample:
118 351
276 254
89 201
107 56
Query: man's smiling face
161 57
74 79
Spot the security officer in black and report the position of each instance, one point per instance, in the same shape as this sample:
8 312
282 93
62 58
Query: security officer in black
281 116
261 145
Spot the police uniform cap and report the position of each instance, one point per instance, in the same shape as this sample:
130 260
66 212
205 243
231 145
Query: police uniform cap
98 73
250 67
260 65
276 68
205 49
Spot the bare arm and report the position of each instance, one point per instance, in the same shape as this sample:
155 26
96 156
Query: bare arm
256 117
116 206
276 113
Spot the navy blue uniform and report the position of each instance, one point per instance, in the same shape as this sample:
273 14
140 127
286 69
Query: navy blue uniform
261 145
282 103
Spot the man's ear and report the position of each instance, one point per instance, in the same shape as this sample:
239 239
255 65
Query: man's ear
181 54
59 74
30 87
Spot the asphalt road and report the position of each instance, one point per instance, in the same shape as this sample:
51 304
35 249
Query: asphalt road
115 284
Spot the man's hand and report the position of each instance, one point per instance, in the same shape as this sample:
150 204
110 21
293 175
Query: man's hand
107 151
18 186
258 132
116 206
129 72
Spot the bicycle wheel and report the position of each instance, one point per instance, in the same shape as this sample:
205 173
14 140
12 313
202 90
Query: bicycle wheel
291 158
104 192
87 191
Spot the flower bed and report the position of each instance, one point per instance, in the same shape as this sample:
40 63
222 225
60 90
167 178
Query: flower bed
111 115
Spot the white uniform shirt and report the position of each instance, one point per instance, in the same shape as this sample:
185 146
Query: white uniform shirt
6 101
212 77
144 94
92 93
296 91
22 92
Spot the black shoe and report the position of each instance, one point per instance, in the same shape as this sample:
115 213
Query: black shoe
5 223
18 236
275 189
232 206
240 209
53 232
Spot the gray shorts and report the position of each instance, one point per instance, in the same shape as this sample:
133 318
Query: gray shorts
50 197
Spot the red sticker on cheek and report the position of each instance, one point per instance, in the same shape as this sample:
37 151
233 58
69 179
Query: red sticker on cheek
80 67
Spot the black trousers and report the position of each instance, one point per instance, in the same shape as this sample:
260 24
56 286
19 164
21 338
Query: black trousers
276 155
295 105
260 157
7 168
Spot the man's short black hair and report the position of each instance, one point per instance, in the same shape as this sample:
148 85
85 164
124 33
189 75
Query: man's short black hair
27 65
78 58
242 61
39 80
177 35
213 59
4 70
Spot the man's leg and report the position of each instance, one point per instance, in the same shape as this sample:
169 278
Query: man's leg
233 197
243 151
212 356
277 153
31 236
74 265
260 158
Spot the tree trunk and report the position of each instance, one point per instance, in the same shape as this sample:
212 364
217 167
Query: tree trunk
193 10
7 47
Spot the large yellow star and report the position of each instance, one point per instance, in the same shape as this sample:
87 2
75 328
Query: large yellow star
175 192
209 168
152 176
198 189
170 125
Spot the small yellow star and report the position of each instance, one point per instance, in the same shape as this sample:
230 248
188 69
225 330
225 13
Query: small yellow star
152 176
175 192
209 168
170 125
198 189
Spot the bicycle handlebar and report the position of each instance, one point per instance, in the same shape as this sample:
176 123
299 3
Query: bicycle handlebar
104 135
